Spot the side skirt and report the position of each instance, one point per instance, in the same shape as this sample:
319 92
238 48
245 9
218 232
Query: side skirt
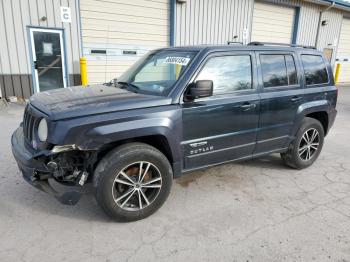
281 150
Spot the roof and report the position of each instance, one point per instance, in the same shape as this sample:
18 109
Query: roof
341 4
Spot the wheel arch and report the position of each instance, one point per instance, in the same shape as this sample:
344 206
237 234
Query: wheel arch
317 110
322 117
157 140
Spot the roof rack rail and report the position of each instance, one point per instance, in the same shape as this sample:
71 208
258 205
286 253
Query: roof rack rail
234 43
281 44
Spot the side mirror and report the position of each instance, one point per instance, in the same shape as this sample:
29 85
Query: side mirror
199 89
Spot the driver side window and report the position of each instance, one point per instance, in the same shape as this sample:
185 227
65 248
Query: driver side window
228 73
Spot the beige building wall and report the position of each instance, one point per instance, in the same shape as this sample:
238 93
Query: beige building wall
116 33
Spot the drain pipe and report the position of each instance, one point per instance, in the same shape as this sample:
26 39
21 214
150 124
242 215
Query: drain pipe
320 22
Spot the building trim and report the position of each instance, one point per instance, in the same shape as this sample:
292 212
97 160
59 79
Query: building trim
172 22
80 30
296 25
337 5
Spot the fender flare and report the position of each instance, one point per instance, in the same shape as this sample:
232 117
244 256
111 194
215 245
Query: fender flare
308 108
99 136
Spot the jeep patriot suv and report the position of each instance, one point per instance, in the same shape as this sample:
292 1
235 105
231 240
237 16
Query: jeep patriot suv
176 110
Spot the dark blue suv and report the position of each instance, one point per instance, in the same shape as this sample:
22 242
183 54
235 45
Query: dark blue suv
176 110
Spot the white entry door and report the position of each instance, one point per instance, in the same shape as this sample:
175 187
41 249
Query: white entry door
48 59
343 54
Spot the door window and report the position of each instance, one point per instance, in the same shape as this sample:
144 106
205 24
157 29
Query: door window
315 69
228 73
278 70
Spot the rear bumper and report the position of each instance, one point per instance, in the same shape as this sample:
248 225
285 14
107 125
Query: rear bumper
35 172
331 118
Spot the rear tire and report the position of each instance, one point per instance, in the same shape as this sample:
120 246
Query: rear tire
307 145
125 193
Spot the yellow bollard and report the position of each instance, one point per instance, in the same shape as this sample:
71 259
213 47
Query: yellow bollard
83 72
337 72
177 71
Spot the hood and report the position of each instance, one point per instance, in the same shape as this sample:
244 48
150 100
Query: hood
95 99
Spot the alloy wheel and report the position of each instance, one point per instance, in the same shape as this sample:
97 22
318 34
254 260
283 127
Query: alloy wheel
309 144
136 186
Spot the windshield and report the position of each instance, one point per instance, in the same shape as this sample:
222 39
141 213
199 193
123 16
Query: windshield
157 72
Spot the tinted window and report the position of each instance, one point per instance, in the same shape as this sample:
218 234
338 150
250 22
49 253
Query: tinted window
157 72
274 70
315 69
228 73
291 70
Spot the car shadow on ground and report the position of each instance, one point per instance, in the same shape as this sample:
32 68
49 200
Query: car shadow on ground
272 162
87 208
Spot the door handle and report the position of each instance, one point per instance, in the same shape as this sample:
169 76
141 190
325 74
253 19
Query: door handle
247 106
296 98
35 65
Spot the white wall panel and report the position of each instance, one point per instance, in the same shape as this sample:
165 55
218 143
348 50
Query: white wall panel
272 23
115 26
343 54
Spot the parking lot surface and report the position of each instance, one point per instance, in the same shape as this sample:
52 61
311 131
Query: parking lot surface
257 210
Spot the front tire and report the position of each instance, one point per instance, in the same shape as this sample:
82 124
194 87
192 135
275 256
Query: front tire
132 182
307 145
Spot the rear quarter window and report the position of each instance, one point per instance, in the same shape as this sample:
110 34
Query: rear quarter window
315 69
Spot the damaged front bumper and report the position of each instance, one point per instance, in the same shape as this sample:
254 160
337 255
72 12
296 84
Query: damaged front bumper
36 172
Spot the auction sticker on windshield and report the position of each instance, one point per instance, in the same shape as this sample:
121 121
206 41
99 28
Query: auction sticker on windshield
177 60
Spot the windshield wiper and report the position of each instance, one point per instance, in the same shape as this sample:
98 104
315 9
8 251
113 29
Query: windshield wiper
128 84
110 83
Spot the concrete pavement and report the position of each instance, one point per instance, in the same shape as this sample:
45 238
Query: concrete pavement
256 210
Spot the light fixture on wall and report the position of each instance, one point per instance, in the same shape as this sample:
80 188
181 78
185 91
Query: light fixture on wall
324 22
43 18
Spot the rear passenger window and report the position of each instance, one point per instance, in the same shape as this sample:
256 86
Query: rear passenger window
278 70
315 69
228 73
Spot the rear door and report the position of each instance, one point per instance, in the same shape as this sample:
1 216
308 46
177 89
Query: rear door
281 95
222 127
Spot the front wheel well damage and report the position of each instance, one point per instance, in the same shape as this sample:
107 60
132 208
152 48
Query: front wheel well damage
322 117
158 141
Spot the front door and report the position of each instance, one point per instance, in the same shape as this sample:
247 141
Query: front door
48 59
222 127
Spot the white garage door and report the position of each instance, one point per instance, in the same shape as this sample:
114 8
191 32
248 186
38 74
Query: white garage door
116 33
343 54
272 23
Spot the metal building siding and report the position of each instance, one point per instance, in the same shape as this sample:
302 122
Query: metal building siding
15 17
212 21
308 23
118 25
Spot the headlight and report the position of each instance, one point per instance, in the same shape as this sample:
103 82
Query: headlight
42 130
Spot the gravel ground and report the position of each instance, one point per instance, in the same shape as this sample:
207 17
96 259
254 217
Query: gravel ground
256 210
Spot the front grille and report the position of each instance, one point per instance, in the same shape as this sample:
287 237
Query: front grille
29 120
